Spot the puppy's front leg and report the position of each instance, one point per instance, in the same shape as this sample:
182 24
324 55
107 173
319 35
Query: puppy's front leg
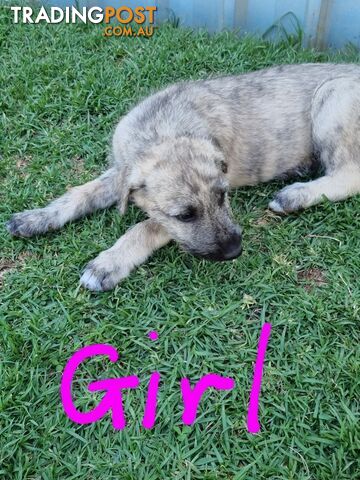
132 249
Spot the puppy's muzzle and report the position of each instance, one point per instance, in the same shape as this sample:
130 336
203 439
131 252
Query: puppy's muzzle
232 248
228 249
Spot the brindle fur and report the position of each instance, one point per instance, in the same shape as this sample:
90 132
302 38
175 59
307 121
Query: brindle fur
179 149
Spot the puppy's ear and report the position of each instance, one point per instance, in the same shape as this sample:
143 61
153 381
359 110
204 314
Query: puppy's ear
129 184
220 162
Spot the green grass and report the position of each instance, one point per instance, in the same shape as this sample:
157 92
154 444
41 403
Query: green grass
62 90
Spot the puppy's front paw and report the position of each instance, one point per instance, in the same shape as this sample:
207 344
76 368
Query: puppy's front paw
290 199
28 223
102 274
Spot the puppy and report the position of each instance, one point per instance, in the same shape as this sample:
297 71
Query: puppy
177 153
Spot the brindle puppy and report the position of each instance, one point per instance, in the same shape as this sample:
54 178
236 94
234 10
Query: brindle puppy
178 151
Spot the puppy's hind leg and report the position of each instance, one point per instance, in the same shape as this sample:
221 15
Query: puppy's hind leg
336 137
77 202
132 249
340 185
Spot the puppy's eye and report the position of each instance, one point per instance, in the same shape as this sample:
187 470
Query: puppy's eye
221 198
188 216
224 167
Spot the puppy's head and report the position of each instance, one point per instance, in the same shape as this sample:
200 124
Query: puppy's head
183 186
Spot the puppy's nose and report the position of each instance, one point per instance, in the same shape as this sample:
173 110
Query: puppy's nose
231 248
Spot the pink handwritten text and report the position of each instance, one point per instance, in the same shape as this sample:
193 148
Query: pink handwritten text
113 388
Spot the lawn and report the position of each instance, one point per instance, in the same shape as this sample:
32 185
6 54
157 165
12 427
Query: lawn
62 90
